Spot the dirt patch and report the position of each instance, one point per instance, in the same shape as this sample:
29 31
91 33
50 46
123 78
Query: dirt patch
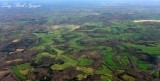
137 21
19 50
6 75
4 72
16 40
13 61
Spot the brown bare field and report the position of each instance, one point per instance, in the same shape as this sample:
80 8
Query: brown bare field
16 60
4 72
137 21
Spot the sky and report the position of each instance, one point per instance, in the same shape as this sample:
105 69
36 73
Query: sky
90 1
87 0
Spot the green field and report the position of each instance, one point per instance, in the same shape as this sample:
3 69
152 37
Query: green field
21 70
152 50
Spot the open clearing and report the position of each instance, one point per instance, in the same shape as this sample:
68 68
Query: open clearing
137 21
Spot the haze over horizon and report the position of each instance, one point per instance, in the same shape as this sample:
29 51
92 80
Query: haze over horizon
130 1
